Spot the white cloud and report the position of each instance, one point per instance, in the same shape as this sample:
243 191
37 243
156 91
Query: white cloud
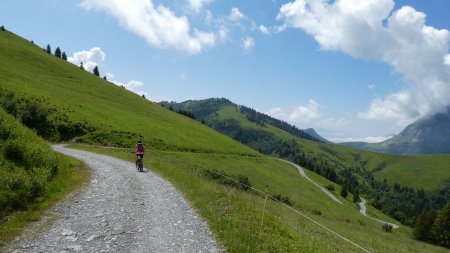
306 116
370 139
248 43
264 29
133 85
91 58
158 25
371 29
372 86
197 5
306 113
447 60
236 15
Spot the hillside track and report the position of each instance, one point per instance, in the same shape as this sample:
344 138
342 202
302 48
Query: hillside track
362 210
121 210
303 174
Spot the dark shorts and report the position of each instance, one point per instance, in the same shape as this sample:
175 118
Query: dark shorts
141 156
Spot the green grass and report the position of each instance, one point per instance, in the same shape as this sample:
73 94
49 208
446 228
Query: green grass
234 216
415 171
118 116
72 175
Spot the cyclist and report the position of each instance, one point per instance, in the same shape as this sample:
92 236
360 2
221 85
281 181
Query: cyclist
139 150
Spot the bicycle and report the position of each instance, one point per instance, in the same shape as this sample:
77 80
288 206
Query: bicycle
139 163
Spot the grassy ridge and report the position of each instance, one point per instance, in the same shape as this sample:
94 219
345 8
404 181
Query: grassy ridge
235 215
413 171
117 116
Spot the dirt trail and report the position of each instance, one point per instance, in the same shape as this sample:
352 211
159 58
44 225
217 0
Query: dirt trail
122 210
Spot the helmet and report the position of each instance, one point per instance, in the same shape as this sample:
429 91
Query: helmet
139 141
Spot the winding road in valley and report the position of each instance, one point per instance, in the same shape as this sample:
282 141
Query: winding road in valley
362 210
302 172
121 210
362 204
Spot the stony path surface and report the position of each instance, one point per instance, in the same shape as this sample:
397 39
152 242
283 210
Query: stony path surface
362 210
303 174
122 210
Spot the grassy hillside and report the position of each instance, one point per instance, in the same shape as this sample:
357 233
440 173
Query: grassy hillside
42 90
413 171
116 116
246 221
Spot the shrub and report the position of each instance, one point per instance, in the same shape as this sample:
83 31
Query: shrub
330 187
27 165
240 182
387 227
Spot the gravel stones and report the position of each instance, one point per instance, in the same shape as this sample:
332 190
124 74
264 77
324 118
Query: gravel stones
122 210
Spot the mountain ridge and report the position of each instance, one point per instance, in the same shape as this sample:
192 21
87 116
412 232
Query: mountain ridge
428 135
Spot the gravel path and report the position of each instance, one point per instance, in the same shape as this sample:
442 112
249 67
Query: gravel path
303 174
122 210
362 210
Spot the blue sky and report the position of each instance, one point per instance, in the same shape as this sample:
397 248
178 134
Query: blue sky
353 70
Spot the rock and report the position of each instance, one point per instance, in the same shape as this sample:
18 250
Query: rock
67 232
92 237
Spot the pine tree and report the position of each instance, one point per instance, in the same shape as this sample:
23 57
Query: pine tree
441 227
58 52
424 225
49 49
64 56
3 28
344 191
96 72
356 196
81 66
104 78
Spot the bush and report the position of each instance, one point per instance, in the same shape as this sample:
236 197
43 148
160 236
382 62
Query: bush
387 227
330 187
27 165
240 182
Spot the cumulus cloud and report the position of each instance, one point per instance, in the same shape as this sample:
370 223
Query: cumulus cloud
197 5
90 58
264 29
236 15
248 43
372 29
133 85
158 25
306 116
370 139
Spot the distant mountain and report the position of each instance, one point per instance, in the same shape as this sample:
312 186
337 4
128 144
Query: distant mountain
230 119
314 134
429 135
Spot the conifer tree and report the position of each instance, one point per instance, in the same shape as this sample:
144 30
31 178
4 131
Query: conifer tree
81 66
96 72
104 78
3 28
356 196
58 52
64 56
424 225
344 191
441 227
49 49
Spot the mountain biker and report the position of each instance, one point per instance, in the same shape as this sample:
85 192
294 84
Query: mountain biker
139 150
